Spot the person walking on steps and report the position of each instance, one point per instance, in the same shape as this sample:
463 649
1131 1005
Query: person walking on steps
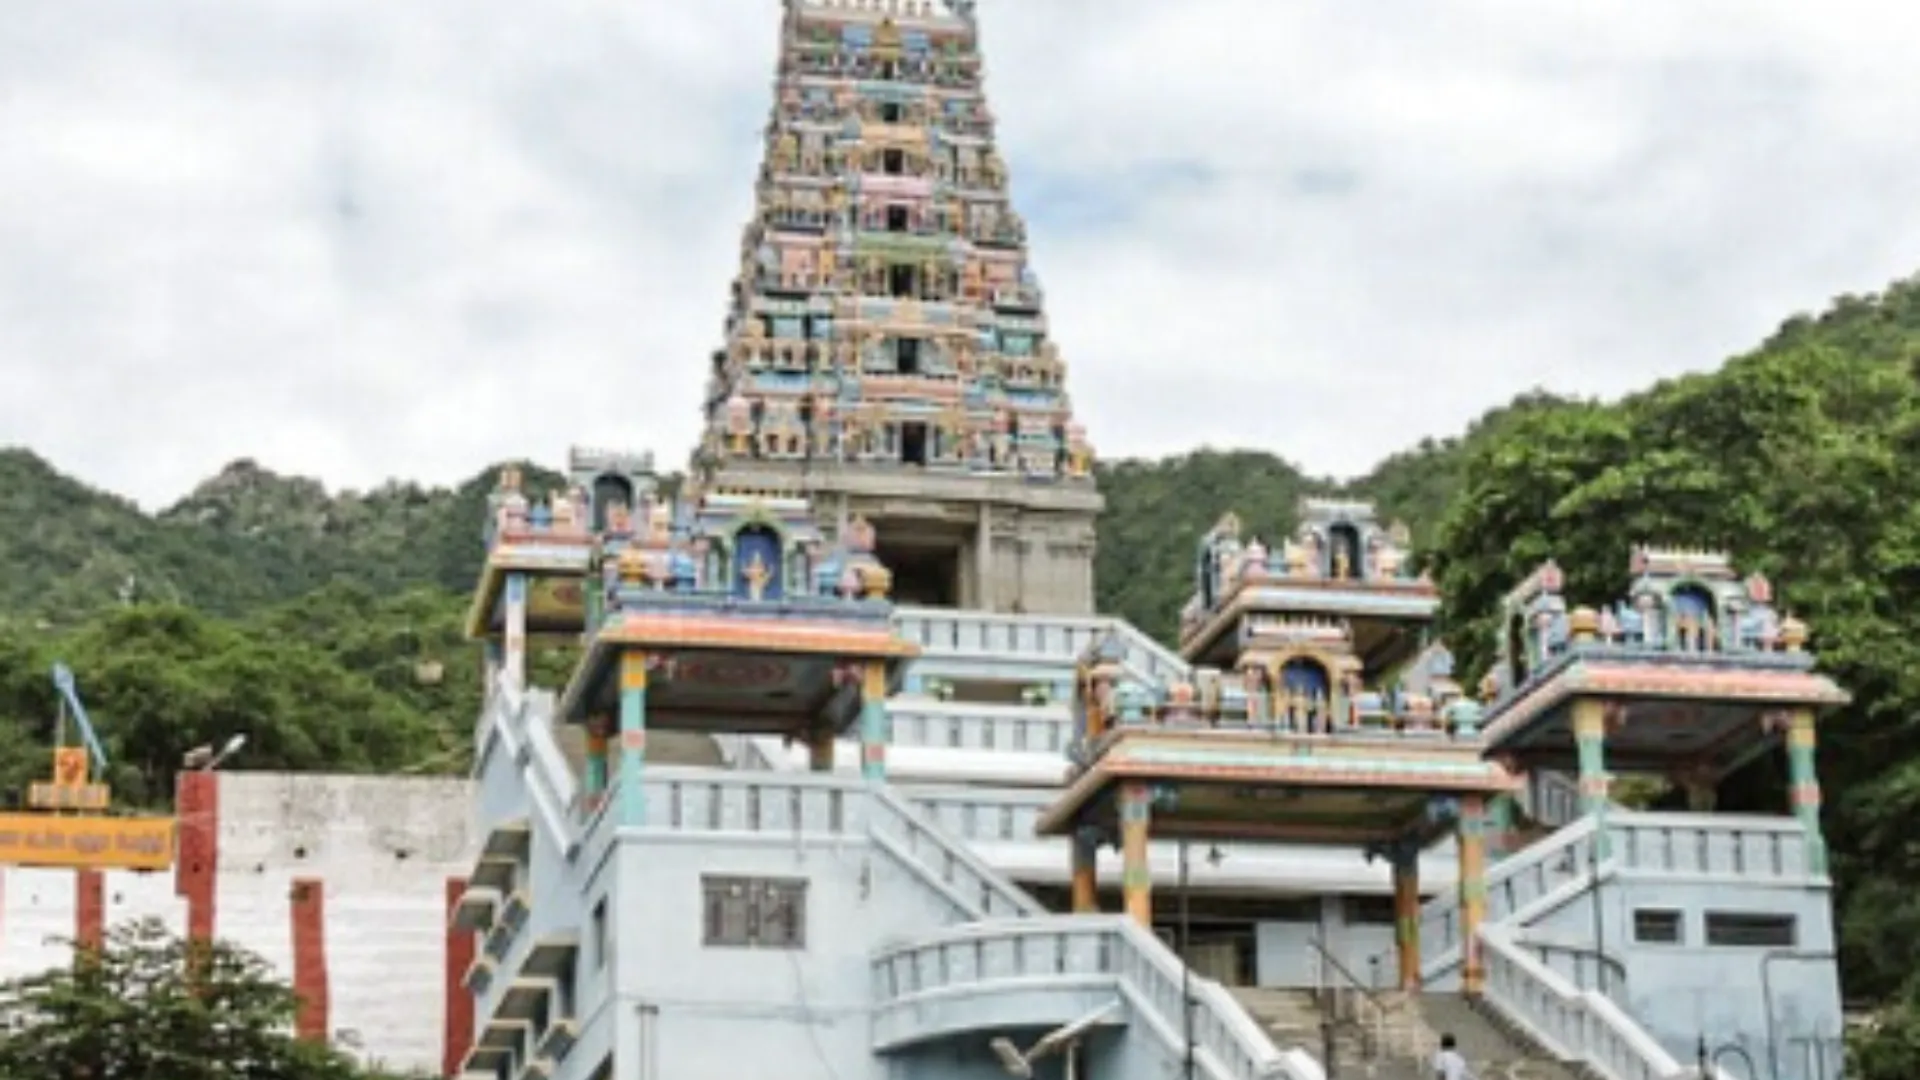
1447 1062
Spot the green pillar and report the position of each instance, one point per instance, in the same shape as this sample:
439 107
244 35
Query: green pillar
1804 789
873 721
633 737
1499 830
596 755
1590 735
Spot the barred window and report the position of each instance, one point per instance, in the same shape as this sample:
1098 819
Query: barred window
1656 926
1752 929
754 913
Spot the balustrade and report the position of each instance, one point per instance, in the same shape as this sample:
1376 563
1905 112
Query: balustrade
1572 1023
1228 1045
1750 848
987 816
1061 639
981 728
1753 849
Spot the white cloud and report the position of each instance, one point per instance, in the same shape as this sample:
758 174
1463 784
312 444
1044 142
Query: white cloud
361 239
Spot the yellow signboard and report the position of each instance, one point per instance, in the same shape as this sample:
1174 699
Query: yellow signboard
86 843
43 796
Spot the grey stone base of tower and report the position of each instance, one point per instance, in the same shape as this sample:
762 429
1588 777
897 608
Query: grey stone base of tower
988 543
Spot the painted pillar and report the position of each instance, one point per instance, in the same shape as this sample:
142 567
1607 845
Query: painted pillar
89 910
633 737
1499 831
1086 884
196 800
456 1033
986 596
1136 877
1804 786
513 658
820 749
873 721
1406 913
1472 843
312 1020
1590 735
597 730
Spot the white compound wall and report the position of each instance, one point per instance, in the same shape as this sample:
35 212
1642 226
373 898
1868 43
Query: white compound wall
382 849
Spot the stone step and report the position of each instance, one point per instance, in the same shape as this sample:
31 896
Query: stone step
1393 1036
1492 1046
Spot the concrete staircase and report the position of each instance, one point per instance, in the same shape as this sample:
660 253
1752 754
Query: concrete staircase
1494 1048
1360 1049
1393 1036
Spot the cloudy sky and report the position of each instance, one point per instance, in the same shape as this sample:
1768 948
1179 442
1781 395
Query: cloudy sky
366 238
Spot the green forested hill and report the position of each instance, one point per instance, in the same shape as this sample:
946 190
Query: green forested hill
268 604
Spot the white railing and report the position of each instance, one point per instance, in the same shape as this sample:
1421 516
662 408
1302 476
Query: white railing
744 803
1060 639
1527 885
1748 847
958 726
1571 1023
987 815
1554 798
1513 885
953 862
520 721
1020 955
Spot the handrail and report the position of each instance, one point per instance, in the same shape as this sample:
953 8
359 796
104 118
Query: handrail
505 713
1228 1044
1571 1023
1341 969
1329 1003
992 884
1600 958
1423 1042
1439 917
1150 660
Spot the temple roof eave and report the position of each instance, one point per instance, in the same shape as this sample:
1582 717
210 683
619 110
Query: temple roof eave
1726 679
673 632
1412 601
551 556
1455 770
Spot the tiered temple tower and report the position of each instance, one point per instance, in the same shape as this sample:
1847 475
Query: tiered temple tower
887 356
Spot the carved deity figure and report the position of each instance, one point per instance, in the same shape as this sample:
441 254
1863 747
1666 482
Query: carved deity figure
1079 453
757 576
739 424
1254 563
1342 567
1254 682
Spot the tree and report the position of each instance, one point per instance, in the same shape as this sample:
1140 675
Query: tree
147 1005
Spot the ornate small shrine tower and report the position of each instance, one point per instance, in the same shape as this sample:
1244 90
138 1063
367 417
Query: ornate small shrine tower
1691 677
886 352
1293 728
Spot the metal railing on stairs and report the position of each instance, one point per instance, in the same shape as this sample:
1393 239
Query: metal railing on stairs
1346 999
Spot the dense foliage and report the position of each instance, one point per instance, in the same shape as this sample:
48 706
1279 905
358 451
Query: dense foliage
147 1005
266 604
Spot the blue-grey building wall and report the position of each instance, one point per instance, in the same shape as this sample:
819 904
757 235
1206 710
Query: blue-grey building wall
1778 1005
